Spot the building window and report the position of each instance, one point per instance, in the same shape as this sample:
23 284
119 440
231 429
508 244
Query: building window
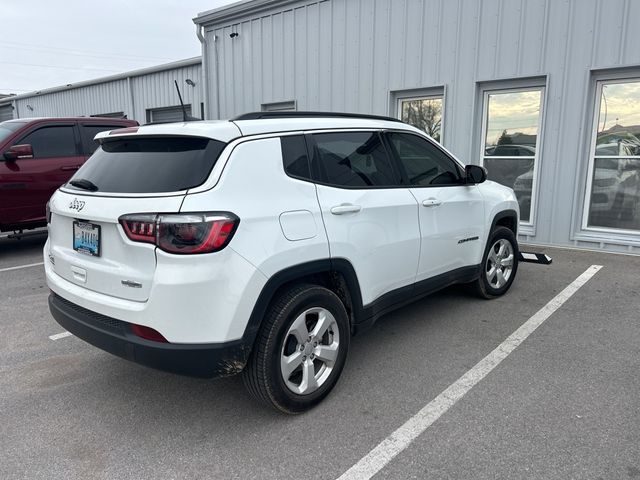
289 106
110 115
168 114
510 146
423 112
613 189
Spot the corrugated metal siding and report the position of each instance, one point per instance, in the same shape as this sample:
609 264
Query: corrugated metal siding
348 55
89 100
158 90
154 90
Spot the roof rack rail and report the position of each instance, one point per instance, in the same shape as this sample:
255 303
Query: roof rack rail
304 114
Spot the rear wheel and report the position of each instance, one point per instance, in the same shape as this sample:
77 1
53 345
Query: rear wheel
499 264
300 350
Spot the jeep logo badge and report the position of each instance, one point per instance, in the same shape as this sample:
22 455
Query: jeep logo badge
76 205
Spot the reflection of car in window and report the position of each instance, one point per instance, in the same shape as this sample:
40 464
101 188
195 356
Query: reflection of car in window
510 151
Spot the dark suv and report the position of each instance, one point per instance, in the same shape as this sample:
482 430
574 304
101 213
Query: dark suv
37 155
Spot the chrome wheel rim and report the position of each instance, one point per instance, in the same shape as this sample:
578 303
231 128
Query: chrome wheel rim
309 351
499 266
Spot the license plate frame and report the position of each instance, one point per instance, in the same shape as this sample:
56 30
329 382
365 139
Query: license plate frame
85 244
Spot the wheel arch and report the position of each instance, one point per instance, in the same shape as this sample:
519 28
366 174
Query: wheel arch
505 218
337 274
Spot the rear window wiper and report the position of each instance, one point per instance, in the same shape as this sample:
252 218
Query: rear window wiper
84 184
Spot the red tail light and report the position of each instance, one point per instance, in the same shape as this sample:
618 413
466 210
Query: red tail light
140 228
148 333
182 233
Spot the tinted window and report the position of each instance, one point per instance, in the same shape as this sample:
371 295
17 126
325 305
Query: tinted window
89 145
353 159
150 165
424 163
7 128
294 156
51 142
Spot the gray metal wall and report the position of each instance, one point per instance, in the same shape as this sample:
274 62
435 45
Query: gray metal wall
157 90
350 55
132 95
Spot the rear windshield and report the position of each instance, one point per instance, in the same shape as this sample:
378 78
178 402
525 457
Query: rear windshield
150 165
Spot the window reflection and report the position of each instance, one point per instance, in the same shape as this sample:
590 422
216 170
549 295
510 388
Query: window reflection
511 140
423 113
512 123
614 199
619 120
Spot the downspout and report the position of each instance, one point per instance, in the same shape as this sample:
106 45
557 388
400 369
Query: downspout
132 111
204 74
16 112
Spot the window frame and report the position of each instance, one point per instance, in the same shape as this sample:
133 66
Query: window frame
599 83
421 94
528 226
76 137
396 158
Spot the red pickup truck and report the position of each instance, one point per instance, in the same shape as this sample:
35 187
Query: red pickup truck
37 155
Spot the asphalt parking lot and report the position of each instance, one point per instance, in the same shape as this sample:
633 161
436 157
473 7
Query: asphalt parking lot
564 404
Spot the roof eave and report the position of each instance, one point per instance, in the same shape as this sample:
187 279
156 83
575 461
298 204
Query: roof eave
111 78
237 10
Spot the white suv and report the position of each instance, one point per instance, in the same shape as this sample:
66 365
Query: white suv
261 244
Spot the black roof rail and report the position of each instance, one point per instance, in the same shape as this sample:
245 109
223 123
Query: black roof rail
304 114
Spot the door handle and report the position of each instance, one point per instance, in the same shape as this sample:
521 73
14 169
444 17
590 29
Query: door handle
345 208
68 168
431 202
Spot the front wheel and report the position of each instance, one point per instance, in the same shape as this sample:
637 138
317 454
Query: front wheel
499 264
300 350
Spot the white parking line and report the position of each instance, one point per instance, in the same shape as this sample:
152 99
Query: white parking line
395 443
21 266
58 336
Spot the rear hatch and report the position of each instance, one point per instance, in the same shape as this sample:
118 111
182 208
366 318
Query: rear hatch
127 175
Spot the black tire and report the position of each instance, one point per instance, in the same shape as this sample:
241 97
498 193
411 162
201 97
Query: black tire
482 287
262 375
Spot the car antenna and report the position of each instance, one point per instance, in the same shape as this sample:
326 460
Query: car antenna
185 117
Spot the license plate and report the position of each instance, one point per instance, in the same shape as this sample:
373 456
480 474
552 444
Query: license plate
86 238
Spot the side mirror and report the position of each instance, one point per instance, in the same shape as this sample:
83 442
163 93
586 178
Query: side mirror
475 173
18 151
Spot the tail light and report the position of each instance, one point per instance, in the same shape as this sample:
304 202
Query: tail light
147 333
186 233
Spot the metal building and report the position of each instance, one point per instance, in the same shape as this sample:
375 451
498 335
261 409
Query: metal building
144 95
544 93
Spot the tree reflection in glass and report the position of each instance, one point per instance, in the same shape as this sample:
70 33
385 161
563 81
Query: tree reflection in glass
423 113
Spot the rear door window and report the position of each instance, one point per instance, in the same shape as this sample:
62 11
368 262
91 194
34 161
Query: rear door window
151 164
54 141
88 132
353 160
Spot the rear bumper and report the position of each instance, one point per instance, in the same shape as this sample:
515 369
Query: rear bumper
115 336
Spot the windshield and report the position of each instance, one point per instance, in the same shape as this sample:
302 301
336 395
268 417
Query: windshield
7 128
149 164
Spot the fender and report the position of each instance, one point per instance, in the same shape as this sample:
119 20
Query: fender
324 266
511 214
